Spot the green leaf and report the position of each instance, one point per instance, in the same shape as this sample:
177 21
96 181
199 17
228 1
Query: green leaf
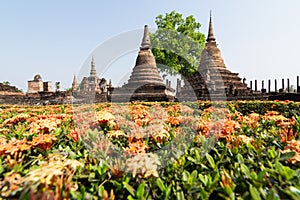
191 159
295 190
82 192
185 175
202 179
168 191
272 195
240 158
285 171
261 175
194 174
129 188
228 191
245 170
211 161
160 184
254 193
235 150
101 190
140 191
287 156
101 169
179 193
130 197
1 167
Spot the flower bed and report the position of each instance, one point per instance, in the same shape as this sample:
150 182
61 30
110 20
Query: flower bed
200 150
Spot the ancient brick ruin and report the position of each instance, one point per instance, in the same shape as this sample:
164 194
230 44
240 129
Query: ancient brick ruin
5 89
38 85
92 88
212 81
145 83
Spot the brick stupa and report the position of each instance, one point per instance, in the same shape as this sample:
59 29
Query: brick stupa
212 80
145 82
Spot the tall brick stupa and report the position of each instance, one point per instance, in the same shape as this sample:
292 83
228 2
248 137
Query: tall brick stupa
212 80
145 82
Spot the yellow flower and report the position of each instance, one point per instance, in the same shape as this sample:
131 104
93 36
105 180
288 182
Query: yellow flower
114 134
47 125
143 165
161 136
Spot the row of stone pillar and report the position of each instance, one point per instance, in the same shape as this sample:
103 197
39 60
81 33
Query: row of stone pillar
168 83
282 89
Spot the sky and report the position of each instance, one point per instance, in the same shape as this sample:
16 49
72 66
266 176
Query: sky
56 39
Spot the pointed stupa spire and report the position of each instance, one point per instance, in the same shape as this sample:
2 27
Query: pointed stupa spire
146 39
210 36
74 84
74 79
93 68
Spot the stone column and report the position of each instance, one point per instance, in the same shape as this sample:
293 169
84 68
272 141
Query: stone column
255 85
275 85
282 85
288 85
251 85
269 86
298 86
244 80
263 90
178 86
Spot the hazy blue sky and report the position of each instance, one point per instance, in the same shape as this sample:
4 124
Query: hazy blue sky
258 38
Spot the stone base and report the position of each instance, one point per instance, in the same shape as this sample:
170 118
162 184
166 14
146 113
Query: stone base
147 92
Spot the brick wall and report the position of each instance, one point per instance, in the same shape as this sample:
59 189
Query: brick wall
8 88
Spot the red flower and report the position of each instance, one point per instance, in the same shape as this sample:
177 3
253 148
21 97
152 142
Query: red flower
74 135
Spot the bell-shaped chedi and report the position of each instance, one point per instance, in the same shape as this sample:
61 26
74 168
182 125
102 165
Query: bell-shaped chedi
145 82
213 80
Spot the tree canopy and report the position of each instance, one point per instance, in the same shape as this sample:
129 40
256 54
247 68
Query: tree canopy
177 44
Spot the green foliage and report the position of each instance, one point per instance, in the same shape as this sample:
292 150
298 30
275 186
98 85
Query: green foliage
177 44
6 82
230 170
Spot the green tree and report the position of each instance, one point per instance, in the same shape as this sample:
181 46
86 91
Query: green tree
177 44
6 82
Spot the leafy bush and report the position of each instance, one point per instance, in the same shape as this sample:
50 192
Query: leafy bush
194 150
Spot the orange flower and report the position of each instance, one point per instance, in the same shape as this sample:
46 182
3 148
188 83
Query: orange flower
251 120
203 126
284 125
228 129
14 146
140 114
43 141
14 181
174 110
226 179
16 119
220 128
136 147
175 121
